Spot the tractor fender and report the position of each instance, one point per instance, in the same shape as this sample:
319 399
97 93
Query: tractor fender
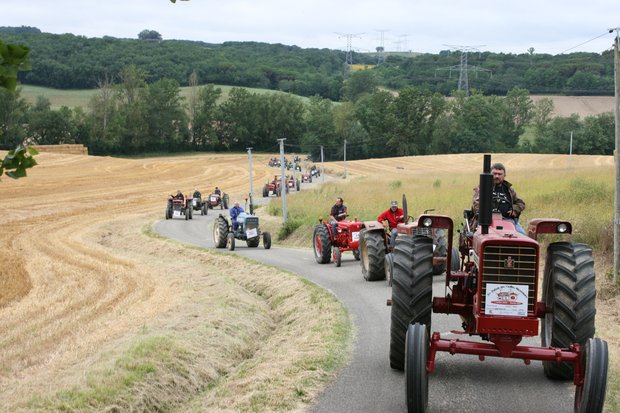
373 225
548 226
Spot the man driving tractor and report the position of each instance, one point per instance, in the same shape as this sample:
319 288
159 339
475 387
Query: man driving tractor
393 216
234 213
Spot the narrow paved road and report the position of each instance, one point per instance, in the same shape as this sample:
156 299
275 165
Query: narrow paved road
460 383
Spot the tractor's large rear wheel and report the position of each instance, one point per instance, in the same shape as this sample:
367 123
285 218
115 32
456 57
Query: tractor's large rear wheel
322 244
372 255
412 291
225 201
590 396
265 192
441 250
569 292
416 376
220 232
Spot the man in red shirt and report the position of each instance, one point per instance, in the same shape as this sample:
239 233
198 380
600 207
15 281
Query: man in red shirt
393 216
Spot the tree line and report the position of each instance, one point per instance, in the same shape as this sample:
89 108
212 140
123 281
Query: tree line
68 61
132 116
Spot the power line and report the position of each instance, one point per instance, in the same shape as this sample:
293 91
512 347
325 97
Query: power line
586 42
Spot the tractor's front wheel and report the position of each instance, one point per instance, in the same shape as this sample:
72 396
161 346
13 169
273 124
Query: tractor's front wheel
590 395
412 291
441 250
455 263
220 232
372 255
230 241
337 256
389 268
322 244
569 292
416 376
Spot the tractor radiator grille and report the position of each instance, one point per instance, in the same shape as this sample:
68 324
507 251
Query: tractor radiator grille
514 265
251 222
427 232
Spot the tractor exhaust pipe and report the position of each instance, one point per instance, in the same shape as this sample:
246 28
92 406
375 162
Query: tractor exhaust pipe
486 193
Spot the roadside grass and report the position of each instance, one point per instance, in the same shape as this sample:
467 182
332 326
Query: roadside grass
584 197
245 337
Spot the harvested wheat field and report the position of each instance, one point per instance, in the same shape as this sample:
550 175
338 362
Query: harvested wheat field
92 302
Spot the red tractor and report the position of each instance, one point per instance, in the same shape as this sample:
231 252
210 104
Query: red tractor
292 183
495 293
377 259
274 187
215 199
329 245
306 178
178 208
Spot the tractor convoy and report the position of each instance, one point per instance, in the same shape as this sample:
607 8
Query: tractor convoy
492 283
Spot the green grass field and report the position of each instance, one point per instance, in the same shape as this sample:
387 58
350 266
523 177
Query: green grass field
80 98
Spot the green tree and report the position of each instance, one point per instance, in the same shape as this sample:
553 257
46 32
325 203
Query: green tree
14 58
375 115
206 118
149 35
320 128
12 111
164 116
360 83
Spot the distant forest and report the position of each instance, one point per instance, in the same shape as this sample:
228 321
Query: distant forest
68 61
138 107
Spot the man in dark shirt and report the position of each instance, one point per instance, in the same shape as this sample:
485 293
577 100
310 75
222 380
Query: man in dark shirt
505 198
338 213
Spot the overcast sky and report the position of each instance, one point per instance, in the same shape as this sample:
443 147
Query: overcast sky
549 26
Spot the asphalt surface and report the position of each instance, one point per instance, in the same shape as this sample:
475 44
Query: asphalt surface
460 383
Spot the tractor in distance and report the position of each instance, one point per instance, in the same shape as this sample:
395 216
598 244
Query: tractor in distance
274 187
329 245
248 230
216 199
178 207
495 294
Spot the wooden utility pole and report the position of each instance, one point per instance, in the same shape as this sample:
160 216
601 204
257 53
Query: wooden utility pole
617 159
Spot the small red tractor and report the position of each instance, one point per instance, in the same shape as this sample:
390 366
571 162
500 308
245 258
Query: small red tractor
330 245
292 183
377 259
274 187
177 208
216 200
306 178
495 293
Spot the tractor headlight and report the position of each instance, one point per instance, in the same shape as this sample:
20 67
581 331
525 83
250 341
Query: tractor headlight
427 222
562 228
